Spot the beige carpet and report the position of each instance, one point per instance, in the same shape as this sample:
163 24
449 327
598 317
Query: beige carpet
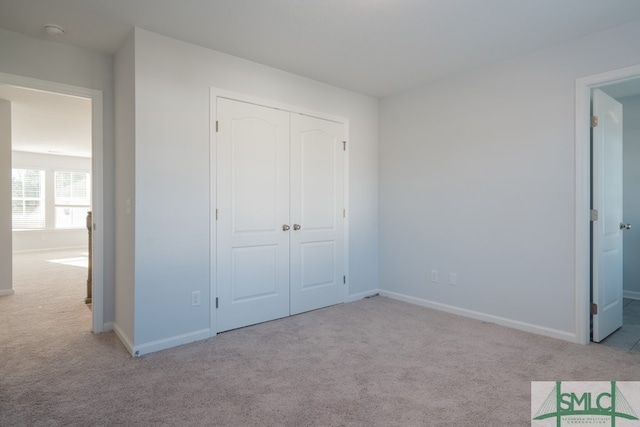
376 362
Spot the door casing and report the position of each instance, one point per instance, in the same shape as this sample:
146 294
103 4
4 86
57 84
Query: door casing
97 179
583 192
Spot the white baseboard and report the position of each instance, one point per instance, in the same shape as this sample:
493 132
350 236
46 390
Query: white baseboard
6 292
107 326
361 295
165 343
631 295
514 324
123 338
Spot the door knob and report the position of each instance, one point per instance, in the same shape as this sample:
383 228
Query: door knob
625 226
296 226
285 227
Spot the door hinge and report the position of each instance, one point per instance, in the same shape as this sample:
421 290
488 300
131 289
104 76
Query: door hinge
344 213
216 214
216 302
344 145
594 214
216 126
594 121
594 308
344 280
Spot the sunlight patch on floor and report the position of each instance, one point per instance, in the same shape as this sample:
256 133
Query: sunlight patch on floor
76 262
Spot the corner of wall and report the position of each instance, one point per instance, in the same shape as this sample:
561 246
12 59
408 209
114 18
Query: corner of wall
165 343
124 201
6 245
126 340
502 321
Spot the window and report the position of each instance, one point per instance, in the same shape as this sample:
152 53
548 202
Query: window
27 196
72 199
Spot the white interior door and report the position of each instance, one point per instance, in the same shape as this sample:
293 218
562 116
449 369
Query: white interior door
607 229
252 207
317 202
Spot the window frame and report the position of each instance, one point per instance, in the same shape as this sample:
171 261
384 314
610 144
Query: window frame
24 199
55 198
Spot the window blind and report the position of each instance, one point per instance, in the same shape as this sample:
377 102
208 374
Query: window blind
72 198
27 195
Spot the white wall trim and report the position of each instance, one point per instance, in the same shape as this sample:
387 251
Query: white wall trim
631 295
213 200
108 326
165 343
237 96
514 324
345 203
6 292
97 178
362 295
128 344
583 192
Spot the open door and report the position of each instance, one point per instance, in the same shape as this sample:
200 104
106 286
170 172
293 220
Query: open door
606 225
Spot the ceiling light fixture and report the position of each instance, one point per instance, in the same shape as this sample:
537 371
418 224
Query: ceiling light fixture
54 30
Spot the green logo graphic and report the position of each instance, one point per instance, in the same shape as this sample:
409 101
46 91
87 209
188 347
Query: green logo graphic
605 404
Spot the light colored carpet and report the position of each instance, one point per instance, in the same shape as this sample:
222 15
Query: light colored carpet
375 362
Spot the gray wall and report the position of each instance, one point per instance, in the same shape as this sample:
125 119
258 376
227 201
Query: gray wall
6 257
125 128
631 168
168 116
478 178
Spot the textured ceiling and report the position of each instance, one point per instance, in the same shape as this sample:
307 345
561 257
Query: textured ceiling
374 47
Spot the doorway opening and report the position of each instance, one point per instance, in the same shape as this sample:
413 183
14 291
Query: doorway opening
56 150
624 86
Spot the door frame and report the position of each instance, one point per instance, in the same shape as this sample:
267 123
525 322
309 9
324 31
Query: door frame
215 93
97 179
583 192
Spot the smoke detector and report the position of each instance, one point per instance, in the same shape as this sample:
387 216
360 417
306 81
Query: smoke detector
54 30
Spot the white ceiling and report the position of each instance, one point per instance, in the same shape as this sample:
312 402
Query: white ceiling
374 47
49 123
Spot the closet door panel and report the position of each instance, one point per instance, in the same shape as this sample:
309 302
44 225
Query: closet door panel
252 163
317 201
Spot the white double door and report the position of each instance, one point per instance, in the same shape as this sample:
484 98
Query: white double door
280 223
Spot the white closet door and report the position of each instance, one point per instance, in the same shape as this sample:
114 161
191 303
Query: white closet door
317 193
253 205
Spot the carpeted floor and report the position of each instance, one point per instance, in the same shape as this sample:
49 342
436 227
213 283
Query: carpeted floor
375 362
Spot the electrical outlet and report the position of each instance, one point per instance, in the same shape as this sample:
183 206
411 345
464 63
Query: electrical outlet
453 279
195 298
434 276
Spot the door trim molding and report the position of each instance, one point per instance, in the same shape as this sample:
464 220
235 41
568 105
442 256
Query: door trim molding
215 93
582 270
97 180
